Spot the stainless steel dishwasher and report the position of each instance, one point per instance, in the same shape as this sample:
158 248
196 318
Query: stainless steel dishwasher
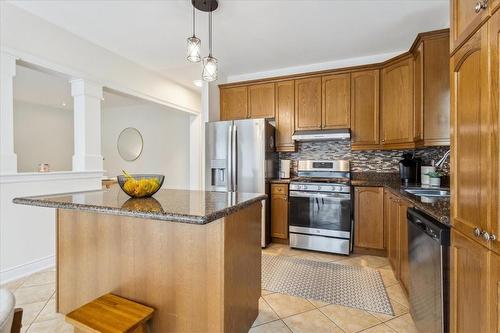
428 253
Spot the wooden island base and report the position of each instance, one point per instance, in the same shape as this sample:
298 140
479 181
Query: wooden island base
199 278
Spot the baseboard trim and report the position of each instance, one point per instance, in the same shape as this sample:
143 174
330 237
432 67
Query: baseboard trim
20 271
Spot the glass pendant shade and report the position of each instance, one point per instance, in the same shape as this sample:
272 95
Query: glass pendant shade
193 49
209 69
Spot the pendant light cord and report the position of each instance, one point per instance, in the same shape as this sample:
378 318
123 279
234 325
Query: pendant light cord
210 34
194 23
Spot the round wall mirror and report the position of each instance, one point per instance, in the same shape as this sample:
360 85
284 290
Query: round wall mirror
130 144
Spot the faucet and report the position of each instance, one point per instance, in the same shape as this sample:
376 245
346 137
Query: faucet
443 159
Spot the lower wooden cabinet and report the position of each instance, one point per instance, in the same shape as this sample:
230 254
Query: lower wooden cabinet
279 211
404 269
369 218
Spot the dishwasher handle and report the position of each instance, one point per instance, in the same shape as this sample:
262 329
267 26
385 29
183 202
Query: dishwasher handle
430 226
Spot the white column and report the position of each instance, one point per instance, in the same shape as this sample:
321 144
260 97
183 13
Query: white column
197 142
8 158
87 125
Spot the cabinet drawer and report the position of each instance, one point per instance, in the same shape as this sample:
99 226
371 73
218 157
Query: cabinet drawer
279 189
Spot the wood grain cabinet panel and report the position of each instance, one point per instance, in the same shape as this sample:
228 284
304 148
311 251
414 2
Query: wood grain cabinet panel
365 109
285 105
418 93
397 104
471 121
261 100
465 19
369 218
469 287
404 269
234 103
336 109
279 211
393 234
308 104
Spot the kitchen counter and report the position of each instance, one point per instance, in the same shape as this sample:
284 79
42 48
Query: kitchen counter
198 207
438 208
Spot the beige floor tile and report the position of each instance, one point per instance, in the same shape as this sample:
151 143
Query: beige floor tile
285 305
266 292
388 277
13 285
45 277
396 293
282 250
379 329
311 322
365 261
349 319
273 327
49 312
27 295
318 303
398 308
51 326
403 324
320 256
31 311
266 313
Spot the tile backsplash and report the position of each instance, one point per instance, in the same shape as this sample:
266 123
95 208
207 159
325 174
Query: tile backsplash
362 161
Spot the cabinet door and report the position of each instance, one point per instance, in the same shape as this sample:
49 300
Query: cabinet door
418 93
469 289
336 101
369 218
465 18
397 104
404 270
261 100
233 103
393 245
436 85
279 211
495 122
494 292
308 104
285 101
365 109
470 159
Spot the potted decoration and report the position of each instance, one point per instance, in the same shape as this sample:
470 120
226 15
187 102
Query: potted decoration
435 178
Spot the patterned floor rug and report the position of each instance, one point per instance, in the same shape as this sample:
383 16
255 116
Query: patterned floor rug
352 286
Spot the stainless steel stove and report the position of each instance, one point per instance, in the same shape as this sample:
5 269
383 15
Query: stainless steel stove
320 210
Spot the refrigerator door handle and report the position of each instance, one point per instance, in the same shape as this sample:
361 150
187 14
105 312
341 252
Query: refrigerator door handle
234 159
230 158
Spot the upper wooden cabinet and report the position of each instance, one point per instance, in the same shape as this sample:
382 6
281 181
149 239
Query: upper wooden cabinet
233 103
397 104
336 108
471 164
261 100
365 109
285 106
308 104
369 218
432 90
466 16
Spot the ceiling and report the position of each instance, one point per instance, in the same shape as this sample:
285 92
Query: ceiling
249 35
36 87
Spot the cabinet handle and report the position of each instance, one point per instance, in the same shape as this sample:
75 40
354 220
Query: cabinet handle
477 232
487 237
480 5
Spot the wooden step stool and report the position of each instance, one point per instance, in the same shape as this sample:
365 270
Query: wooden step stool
110 314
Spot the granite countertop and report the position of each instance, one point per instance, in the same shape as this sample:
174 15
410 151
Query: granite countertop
198 207
438 208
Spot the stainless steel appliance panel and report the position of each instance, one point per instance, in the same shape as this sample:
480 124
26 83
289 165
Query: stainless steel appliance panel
428 247
319 243
217 156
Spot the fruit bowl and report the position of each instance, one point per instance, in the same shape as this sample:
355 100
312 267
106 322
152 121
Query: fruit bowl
140 185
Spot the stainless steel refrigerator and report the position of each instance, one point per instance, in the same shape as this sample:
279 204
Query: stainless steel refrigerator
241 157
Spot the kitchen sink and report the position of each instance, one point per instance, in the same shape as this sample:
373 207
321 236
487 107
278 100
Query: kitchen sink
429 192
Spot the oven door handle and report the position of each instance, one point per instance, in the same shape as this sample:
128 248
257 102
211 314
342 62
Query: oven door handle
300 194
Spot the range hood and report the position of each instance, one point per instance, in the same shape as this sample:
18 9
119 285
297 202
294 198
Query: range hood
338 134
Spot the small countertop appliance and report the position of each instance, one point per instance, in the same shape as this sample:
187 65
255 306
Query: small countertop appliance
409 169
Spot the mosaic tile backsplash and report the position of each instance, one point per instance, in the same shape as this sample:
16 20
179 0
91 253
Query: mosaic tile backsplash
362 161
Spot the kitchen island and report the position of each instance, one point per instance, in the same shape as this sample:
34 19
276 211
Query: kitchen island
194 256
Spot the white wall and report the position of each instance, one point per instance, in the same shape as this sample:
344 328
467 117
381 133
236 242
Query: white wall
42 134
166 142
37 41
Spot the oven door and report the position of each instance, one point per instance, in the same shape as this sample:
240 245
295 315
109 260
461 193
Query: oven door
321 213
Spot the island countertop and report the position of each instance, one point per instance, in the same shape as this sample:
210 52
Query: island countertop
186 206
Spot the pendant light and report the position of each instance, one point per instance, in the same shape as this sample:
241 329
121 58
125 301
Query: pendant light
193 44
209 63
